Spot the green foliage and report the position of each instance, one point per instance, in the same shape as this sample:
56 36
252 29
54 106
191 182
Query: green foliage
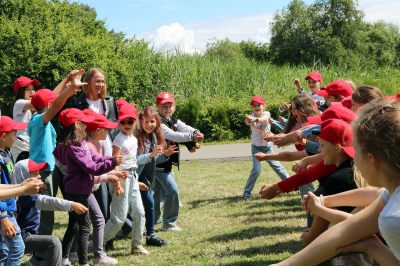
224 49
333 31
190 111
256 51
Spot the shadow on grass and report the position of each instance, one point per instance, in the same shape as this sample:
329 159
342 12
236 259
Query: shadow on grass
295 201
200 203
253 232
258 262
58 225
291 246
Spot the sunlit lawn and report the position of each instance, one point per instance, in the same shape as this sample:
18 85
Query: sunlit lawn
220 227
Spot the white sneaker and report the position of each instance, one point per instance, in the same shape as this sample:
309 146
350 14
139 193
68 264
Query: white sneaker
139 250
165 227
65 262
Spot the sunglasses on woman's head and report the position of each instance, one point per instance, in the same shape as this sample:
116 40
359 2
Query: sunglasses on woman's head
129 122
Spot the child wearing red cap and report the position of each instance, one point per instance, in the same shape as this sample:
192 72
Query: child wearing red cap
314 82
258 122
125 144
175 132
82 165
335 91
376 155
97 131
43 138
12 245
22 108
29 215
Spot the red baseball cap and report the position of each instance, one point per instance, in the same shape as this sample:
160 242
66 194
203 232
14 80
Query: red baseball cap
33 166
334 112
43 97
393 98
24 82
346 102
89 112
338 132
120 103
127 111
7 124
315 76
71 115
100 121
257 99
165 97
337 87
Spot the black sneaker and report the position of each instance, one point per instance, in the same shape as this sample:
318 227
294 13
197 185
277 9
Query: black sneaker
155 241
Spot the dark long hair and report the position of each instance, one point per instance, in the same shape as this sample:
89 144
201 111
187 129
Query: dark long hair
68 136
140 133
20 95
305 105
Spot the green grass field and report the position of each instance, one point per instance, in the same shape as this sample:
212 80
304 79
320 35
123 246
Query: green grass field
220 227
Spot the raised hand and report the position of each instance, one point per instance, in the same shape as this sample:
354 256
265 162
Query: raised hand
297 83
157 149
173 149
251 119
76 82
285 106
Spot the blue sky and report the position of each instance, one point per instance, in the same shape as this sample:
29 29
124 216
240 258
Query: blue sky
190 24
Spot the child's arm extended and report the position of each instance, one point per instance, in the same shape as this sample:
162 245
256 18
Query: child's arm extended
357 227
97 166
63 97
144 158
47 203
185 133
31 187
281 156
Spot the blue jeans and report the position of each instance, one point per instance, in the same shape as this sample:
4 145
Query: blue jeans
165 190
256 171
148 203
11 249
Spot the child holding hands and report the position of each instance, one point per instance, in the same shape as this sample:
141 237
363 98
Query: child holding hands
82 164
258 121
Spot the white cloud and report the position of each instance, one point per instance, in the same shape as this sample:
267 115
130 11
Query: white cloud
194 36
386 10
172 36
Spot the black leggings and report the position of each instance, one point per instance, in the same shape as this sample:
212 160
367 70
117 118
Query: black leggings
77 223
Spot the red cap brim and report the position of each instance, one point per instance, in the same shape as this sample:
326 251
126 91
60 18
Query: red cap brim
35 83
87 119
33 166
316 120
322 92
168 100
112 125
122 117
20 126
349 151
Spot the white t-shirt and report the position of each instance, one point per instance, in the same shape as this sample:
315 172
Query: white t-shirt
97 106
258 130
21 116
389 221
317 98
128 146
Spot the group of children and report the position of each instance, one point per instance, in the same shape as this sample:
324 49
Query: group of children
143 150
346 138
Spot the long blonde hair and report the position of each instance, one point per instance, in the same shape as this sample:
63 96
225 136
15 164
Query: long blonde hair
89 74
